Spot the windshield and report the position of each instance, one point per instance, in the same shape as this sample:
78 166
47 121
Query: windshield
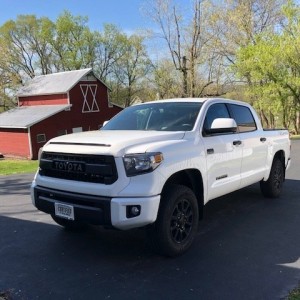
170 116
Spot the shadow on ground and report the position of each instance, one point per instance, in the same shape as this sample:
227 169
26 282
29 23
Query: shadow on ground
15 184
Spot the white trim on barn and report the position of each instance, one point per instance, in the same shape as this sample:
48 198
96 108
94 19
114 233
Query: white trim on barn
89 107
30 143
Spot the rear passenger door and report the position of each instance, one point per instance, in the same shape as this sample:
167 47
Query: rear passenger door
223 155
254 146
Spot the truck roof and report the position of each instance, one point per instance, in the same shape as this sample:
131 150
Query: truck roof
200 100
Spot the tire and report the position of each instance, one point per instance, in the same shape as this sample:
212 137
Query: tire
177 223
272 187
69 224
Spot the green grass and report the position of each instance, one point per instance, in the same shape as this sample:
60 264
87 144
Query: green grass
14 166
294 294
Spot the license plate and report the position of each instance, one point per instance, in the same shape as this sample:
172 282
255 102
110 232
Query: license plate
64 211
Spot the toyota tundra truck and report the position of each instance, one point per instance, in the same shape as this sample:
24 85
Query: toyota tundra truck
155 165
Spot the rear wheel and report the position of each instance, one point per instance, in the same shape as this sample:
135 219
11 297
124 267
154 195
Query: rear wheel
272 187
177 221
69 224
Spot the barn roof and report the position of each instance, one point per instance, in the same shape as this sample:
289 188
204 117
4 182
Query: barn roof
26 116
55 83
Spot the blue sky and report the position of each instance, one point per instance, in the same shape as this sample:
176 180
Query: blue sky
124 13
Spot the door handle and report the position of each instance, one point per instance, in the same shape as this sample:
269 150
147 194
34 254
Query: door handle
237 143
263 139
210 151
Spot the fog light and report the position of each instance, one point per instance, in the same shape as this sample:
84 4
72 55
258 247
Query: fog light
133 211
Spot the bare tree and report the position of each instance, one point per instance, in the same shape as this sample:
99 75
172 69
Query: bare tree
189 42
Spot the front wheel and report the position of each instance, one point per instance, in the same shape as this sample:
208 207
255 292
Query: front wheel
177 221
272 187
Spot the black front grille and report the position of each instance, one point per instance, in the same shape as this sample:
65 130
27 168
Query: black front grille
79 167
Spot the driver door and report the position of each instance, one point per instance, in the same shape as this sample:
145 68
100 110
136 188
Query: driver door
223 155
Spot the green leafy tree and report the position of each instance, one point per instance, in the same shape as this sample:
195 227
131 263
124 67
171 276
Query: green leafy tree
25 52
165 80
26 47
109 48
73 44
32 46
131 68
272 63
236 23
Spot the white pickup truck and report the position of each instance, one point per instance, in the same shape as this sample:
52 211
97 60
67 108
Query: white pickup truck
155 165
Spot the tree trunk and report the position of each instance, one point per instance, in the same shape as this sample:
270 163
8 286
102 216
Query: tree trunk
193 85
128 98
272 120
184 72
264 119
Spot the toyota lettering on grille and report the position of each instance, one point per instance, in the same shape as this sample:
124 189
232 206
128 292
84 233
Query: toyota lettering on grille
69 166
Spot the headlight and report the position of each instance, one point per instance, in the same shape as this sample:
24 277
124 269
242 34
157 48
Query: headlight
136 164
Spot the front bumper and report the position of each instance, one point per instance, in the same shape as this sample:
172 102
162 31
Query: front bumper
98 210
89 209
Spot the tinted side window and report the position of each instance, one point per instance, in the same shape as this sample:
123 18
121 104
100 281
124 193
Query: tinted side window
216 111
243 118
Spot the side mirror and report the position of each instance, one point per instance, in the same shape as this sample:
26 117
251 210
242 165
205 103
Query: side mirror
222 125
104 123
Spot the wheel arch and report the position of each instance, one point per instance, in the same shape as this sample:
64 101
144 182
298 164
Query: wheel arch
280 154
192 179
271 188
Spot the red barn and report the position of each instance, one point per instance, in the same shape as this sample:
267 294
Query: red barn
52 105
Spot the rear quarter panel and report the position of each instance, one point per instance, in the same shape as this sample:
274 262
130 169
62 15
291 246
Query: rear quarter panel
277 140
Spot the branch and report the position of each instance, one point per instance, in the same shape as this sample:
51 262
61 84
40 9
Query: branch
205 85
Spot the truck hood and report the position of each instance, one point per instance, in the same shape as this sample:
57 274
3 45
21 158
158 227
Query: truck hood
113 142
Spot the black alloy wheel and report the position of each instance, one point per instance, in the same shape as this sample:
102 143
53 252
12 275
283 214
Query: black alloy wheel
181 221
177 222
